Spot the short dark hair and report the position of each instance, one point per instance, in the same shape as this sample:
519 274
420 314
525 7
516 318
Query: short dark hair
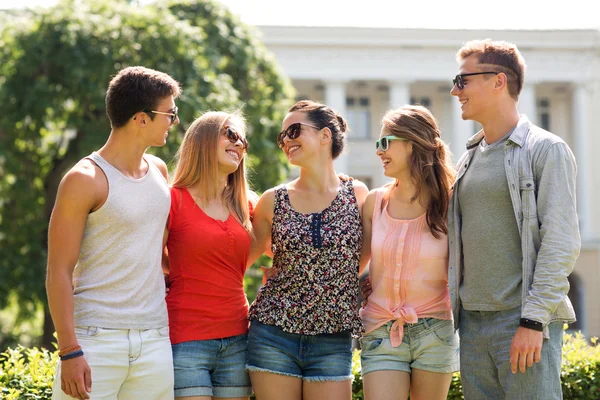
502 57
135 89
325 117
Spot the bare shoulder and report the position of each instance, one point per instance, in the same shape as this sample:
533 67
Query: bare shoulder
160 164
360 188
266 203
370 201
85 185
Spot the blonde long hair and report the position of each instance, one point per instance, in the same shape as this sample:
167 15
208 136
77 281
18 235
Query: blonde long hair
197 163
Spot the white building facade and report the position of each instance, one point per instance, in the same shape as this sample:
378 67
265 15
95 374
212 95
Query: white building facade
363 72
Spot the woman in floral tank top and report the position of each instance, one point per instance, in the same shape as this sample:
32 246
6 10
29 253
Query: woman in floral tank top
304 317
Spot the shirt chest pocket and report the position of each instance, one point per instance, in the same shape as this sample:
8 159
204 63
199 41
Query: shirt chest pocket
528 197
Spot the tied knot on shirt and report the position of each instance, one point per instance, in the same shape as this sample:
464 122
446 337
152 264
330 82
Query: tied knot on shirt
401 315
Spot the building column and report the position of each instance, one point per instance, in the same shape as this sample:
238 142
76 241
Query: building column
335 97
581 129
462 130
528 102
399 94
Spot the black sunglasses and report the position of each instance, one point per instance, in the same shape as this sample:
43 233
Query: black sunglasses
292 131
233 137
460 83
173 114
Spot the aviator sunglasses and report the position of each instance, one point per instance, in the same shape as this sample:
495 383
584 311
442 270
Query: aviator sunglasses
460 83
173 114
384 142
292 131
233 137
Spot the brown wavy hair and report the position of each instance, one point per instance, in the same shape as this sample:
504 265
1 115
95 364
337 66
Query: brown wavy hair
197 162
429 164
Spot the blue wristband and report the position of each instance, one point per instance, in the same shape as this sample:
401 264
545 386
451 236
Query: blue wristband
73 354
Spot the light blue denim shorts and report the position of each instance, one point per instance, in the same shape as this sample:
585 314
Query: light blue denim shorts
430 345
212 367
317 358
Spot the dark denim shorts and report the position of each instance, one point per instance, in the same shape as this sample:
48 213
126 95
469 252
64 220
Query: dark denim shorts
317 358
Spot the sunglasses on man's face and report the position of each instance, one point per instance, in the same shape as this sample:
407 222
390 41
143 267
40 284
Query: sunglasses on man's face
233 137
384 142
173 114
292 132
460 82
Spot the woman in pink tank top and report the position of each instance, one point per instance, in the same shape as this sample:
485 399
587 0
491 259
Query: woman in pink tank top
409 343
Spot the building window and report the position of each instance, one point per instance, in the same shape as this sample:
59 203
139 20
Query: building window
544 113
423 101
359 117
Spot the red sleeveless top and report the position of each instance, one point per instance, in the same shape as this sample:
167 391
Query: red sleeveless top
207 259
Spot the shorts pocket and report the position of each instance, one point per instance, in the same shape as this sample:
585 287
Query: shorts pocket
444 334
163 332
86 331
371 344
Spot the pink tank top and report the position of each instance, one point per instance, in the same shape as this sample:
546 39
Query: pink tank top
408 272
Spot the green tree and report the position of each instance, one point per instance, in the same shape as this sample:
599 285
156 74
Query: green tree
55 65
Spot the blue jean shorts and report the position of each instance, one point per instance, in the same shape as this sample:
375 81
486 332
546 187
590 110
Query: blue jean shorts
317 358
430 345
212 367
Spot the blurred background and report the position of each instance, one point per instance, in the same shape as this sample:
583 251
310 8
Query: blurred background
56 58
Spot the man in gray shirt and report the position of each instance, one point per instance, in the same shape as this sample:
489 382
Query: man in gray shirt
513 233
105 283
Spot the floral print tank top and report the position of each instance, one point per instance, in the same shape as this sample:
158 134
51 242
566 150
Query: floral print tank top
315 288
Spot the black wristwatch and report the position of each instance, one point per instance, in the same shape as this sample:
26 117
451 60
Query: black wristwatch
531 324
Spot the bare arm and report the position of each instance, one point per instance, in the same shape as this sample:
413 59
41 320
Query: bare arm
79 193
261 225
367 222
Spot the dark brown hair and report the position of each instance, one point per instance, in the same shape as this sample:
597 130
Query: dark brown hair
135 89
325 117
500 56
430 165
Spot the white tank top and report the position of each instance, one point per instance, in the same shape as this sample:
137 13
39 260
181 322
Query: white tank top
118 281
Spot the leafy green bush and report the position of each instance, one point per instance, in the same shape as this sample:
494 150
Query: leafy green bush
29 373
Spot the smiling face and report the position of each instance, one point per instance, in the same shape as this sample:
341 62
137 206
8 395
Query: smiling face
476 95
396 158
230 154
306 144
159 125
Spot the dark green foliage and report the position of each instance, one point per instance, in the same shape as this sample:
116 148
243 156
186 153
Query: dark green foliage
55 65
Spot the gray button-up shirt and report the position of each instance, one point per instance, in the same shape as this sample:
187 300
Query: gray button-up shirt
541 170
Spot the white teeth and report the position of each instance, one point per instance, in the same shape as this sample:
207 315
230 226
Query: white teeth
292 149
234 154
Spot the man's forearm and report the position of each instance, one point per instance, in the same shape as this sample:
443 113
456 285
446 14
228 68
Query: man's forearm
60 300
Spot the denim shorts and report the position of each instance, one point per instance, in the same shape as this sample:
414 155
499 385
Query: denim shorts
317 358
211 367
430 345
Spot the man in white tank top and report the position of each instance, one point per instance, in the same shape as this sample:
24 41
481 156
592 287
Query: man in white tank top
105 284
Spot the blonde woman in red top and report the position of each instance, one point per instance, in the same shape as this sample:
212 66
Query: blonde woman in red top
409 343
208 241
